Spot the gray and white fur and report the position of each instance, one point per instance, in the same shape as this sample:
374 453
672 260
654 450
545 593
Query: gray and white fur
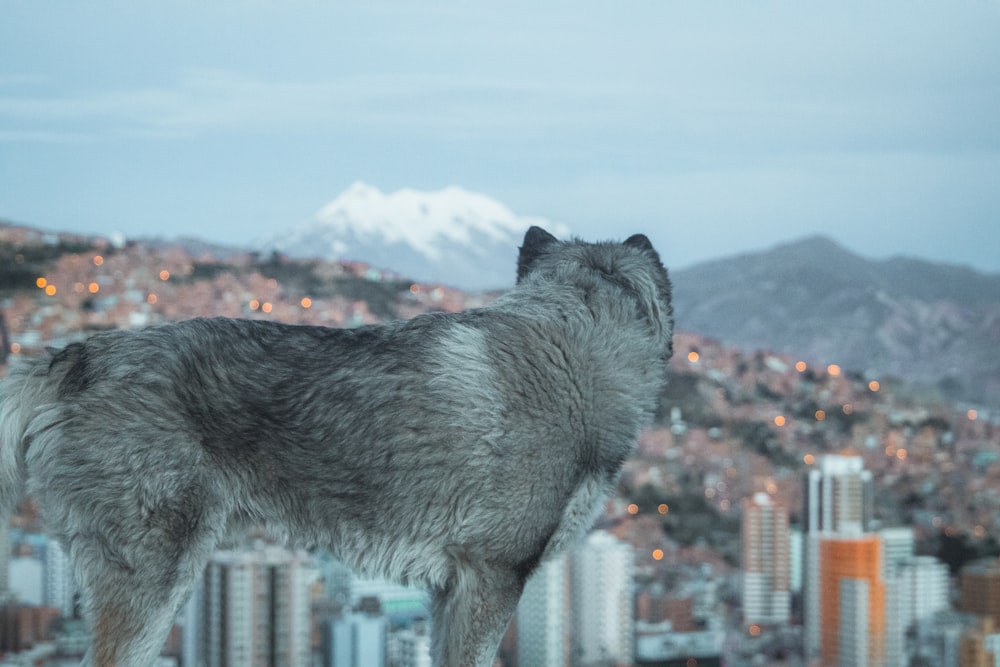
451 451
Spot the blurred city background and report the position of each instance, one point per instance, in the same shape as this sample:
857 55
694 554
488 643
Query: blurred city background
783 510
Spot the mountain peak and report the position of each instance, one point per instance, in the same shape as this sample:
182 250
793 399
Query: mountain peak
450 235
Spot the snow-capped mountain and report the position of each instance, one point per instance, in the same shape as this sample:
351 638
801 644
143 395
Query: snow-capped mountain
450 236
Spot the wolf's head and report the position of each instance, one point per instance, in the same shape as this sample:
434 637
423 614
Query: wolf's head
633 266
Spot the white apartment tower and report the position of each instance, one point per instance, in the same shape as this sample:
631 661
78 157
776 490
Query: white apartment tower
767 597
355 640
251 609
412 648
59 585
603 618
543 616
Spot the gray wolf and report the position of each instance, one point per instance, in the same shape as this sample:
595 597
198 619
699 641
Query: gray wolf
450 451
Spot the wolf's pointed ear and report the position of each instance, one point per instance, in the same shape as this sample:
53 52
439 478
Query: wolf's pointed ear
639 241
536 240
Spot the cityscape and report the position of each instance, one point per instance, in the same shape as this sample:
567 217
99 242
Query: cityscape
781 511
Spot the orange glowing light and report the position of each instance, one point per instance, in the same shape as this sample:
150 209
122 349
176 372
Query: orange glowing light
754 630
41 282
800 366
414 289
771 488
848 409
254 304
693 356
164 275
93 288
809 459
901 454
663 508
306 302
820 415
657 554
50 289
632 508
972 415
833 370
779 420
151 299
15 348
98 260
874 385
266 307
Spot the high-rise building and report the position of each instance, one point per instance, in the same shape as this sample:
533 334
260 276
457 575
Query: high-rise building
916 589
924 588
27 579
767 597
977 646
355 640
58 584
897 551
979 589
838 501
543 617
839 496
602 621
412 647
251 608
898 546
4 558
852 595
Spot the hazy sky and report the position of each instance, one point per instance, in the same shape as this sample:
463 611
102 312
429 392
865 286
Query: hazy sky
714 127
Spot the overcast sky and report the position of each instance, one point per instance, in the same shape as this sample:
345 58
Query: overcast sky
716 128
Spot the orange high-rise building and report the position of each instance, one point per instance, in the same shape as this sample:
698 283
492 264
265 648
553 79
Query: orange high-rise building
852 600
839 500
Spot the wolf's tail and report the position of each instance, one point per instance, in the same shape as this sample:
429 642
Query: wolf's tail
22 395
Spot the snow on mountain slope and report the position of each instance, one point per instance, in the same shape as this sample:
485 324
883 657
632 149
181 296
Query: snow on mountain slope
451 236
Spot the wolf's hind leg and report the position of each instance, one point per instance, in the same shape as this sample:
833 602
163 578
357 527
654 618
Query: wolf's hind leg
131 603
470 616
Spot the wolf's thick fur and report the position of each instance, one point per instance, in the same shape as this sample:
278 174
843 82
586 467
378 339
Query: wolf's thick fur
453 451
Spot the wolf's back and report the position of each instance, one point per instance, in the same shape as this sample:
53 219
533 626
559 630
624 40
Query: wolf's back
23 393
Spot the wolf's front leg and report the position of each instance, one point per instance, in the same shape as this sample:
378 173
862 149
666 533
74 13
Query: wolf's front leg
471 615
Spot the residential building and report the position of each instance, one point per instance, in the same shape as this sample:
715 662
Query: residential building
355 640
602 621
58 583
767 597
838 501
251 609
979 589
852 598
543 617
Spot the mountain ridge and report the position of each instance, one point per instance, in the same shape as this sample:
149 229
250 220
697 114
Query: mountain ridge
935 324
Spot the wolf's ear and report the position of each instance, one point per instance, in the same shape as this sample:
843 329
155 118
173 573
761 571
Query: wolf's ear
536 240
639 241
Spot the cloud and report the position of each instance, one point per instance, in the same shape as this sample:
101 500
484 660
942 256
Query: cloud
217 101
